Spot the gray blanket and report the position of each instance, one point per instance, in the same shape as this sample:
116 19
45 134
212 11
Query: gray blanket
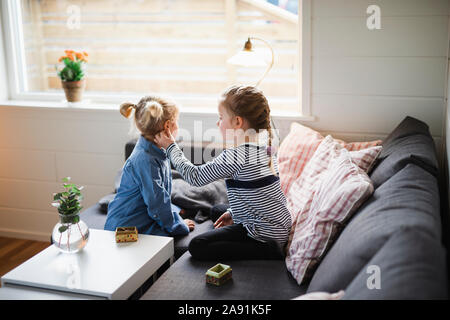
197 201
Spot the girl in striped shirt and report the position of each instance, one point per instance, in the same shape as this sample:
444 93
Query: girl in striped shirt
257 224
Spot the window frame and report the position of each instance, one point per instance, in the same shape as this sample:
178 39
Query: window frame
17 81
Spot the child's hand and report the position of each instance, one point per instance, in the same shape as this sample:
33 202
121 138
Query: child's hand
224 220
190 224
164 139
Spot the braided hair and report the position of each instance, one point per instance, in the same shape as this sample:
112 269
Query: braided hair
250 103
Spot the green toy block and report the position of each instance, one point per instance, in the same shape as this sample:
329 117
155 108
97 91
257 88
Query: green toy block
218 274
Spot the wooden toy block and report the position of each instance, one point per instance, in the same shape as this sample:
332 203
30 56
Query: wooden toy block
126 234
218 274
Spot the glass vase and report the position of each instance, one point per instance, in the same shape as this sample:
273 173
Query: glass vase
70 234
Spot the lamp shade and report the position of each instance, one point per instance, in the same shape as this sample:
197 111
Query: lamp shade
248 58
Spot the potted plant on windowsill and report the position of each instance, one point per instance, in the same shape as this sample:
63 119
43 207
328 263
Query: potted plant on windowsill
72 75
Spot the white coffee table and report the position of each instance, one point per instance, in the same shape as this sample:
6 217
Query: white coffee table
103 268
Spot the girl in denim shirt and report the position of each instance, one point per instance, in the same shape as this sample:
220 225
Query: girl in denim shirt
143 198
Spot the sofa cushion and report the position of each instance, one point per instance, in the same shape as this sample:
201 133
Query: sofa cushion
408 127
251 280
411 265
336 195
298 148
410 142
417 149
301 193
302 189
295 151
409 198
105 201
94 217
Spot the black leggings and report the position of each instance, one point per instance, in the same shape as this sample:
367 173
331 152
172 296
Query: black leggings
233 243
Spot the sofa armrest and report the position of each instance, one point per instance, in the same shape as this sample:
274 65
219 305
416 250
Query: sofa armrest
129 147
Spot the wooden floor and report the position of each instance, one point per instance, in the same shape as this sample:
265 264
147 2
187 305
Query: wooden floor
14 252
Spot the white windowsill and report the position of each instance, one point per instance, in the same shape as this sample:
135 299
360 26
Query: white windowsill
87 105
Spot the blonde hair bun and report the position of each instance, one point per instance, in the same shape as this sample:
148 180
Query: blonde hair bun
151 113
126 109
155 108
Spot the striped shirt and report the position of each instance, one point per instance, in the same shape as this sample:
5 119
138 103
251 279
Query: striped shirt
254 192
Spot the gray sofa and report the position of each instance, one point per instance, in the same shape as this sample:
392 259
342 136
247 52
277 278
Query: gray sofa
398 231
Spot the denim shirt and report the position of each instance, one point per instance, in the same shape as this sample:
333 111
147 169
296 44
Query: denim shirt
143 197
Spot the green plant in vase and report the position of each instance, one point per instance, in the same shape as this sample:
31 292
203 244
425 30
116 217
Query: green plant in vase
71 233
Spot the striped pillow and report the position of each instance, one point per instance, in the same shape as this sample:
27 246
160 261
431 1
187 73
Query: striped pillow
333 185
299 146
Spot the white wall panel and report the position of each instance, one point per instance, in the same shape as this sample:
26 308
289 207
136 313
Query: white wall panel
27 164
38 195
352 8
62 135
400 37
412 77
95 169
28 224
374 114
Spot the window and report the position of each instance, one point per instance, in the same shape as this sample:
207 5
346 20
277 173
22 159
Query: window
138 47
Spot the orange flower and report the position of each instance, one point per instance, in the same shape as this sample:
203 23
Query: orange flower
74 56
64 57
85 54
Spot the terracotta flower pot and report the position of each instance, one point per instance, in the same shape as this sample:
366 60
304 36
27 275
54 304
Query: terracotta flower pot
74 90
